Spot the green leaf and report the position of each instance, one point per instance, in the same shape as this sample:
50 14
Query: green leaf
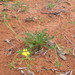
19 51
35 41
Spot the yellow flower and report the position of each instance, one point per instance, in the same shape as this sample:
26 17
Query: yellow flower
25 52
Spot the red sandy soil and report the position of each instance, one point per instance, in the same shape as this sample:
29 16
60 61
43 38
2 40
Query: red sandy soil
56 25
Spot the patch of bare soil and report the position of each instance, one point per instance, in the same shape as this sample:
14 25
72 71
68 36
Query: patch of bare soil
60 22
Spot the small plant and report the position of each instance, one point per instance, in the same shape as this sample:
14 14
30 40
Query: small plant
61 37
50 5
28 66
5 15
71 22
56 0
26 58
5 0
1 0
36 41
40 18
12 65
25 54
68 50
58 64
19 5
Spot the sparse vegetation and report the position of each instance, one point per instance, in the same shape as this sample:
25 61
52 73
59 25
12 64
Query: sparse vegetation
20 6
12 65
50 5
40 18
5 0
56 0
48 41
58 64
61 37
36 41
71 22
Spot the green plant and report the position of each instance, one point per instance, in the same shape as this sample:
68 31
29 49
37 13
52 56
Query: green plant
4 0
71 22
69 51
19 5
36 41
61 37
56 0
58 64
28 66
12 65
40 18
50 5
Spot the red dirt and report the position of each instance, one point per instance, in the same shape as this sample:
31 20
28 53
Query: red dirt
56 25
